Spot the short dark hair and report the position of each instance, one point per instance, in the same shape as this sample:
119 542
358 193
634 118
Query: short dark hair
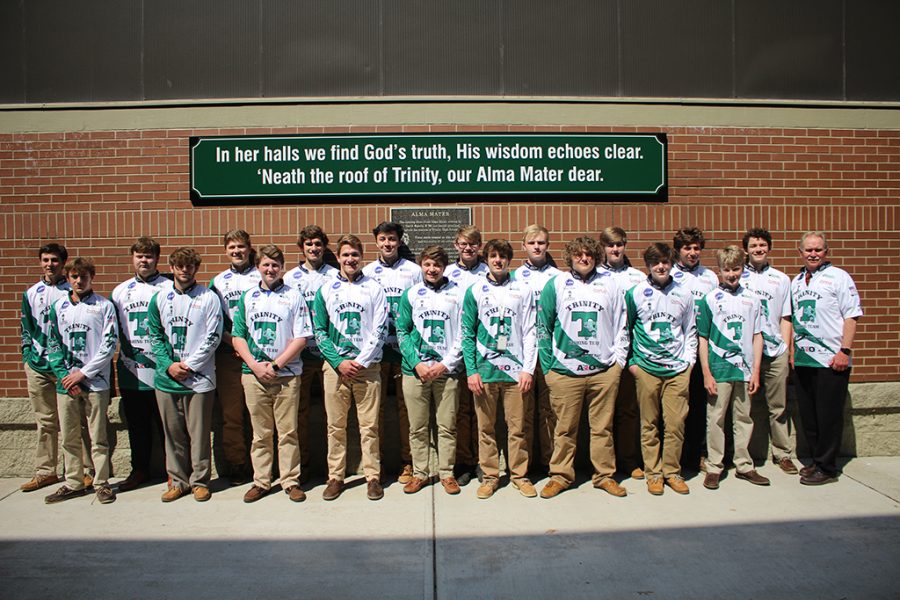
80 266
501 247
270 251
146 245
688 235
54 248
757 232
658 252
435 253
184 257
388 227
312 232
582 244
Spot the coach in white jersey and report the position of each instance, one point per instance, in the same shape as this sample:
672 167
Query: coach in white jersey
627 430
535 272
308 278
395 274
428 326
773 288
36 303
271 326
350 319
663 352
239 277
729 326
583 347
826 307
135 368
83 339
185 330
699 281
500 352
468 269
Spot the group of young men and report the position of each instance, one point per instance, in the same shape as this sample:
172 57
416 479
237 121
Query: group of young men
657 360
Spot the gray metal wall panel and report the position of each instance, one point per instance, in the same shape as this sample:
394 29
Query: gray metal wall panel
873 51
789 49
566 47
242 51
435 47
677 49
321 48
12 52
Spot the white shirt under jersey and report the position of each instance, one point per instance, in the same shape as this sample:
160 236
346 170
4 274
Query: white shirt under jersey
729 319
394 280
662 321
429 326
136 365
820 308
83 336
229 285
773 288
308 283
350 321
463 277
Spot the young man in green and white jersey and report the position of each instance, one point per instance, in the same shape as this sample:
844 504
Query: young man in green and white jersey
428 327
185 330
688 272
662 322
36 303
627 429
350 320
583 347
535 272
500 352
773 288
826 308
239 277
135 368
308 277
395 274
729 326
83 339
469 268
271 326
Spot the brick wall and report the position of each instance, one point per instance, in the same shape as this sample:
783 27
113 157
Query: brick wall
97 191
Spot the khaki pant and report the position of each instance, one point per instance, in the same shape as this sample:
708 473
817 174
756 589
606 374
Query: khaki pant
187 419
312 370
774 374
72 412
466 424
539 418
668 395
514 409
391 371
231 400
365 391
567 396
273 408
627 425
732 393
42 392
419 397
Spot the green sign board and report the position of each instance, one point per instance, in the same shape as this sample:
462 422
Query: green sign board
306 167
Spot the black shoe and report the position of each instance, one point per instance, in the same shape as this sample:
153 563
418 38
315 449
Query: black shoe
62 494
818 477
464 474
134 480
240 475
479 473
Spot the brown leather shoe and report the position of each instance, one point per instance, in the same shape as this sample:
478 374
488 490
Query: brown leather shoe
637 473
39 481
676 482
295 493
487 488
62 494
611 487
451 486
414 485
552 489
818 477
173 493
255 493
655 485
787 465
105 495
525 487
374 491
88 480
807 471
406 475
201 494
753 477
133 481
711 481
333 489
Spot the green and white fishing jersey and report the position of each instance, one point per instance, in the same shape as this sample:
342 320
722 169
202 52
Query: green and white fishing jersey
308 283
135 367
463 277
626 276
662 322
535 278
773 288
394 279
583 326
350 320
83 336
36 304
229 285
498 330
699 281
729 319
186 326
820 308
429 326
269 320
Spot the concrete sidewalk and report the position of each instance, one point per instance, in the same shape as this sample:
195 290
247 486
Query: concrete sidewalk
786 541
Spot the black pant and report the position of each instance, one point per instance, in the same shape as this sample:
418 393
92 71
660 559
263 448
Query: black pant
695 424
141 415
821 394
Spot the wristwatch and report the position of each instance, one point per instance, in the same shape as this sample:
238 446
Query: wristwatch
847 351
275 366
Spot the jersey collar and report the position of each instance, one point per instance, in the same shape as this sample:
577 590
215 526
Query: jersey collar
392 265
821 268
626 264
441 284
753 269
186 291
686 269
527 264
280 285
249 268
733 292
462 265
152 277
587 279
498 283
661 288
